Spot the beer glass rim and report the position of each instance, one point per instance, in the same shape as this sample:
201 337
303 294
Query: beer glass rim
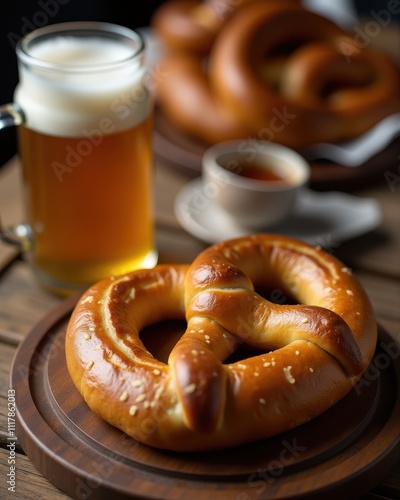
84 28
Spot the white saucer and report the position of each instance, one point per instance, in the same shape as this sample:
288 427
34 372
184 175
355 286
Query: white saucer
324 219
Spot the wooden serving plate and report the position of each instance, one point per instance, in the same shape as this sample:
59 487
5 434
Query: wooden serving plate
345 451
182 151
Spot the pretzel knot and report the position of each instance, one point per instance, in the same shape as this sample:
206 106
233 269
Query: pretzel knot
278 72
310 352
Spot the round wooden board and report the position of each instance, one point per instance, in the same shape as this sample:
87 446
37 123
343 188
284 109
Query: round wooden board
184 152
345 451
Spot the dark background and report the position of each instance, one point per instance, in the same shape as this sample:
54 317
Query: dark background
18 17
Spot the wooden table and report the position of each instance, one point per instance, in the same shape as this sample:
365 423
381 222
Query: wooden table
374 258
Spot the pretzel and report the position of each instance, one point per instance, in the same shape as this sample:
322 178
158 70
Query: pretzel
192 25
310 354
281 73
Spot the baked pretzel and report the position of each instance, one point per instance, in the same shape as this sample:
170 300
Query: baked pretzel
281 73
310 353
192 25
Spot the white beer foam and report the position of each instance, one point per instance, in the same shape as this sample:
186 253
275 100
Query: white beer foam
80 51
70 103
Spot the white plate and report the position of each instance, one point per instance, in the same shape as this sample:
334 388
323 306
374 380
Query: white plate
324 219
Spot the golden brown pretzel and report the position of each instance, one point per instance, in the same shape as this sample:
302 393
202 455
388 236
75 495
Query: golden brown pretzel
332 88
281 73
192 25
311 353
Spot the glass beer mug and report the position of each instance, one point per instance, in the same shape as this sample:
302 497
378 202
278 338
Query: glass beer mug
84 121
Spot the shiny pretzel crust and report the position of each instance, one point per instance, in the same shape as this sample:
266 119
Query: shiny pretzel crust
311 353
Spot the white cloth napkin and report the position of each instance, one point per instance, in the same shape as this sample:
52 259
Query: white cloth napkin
356 152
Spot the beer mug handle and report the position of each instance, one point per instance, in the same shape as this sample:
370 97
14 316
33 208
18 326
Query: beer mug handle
11 114
18 235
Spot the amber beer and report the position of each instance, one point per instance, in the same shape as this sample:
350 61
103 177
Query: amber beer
87 160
